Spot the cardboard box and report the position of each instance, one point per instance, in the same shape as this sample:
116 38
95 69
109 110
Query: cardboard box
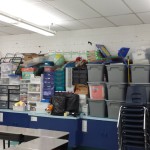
81 89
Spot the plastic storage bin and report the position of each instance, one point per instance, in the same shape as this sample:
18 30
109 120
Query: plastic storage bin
14 79
96 108
113 108
97 91
117 73
26 72
3 105
147 87
117 91
140 73
79 76
95 72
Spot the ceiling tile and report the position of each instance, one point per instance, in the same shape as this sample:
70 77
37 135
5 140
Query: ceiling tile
139 5
97 22
125 20
54 12
73 25
58 28
145 17
109 7
74 8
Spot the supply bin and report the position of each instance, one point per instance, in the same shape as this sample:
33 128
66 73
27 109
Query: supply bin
113 108
117 91
140 73
96 108
97 90
146 85
117 73
95 72
79 75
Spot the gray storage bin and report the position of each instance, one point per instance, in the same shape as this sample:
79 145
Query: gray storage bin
95 72
113 108
140 73
146 85
117 91
3 105
96 108
117 73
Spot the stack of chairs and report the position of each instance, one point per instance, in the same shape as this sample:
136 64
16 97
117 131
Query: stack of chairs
134 121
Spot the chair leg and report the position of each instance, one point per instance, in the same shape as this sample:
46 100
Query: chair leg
3 144
8 143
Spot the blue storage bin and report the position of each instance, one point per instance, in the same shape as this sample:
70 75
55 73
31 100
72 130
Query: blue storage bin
48 93
49 74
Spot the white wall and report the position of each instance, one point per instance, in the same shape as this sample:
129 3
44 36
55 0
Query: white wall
135 37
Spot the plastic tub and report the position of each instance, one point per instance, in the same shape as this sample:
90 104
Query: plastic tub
96 108
147 87
95 72
117 91
113 108
14 79
97 91
140 73
117 73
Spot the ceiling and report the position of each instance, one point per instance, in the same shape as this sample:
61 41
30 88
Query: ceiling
89 14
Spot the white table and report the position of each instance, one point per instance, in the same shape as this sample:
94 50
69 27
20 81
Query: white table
27 134
42 144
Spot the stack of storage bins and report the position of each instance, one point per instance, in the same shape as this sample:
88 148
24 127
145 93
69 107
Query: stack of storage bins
59 81
116 88
48 84
79 75
97 90
140 75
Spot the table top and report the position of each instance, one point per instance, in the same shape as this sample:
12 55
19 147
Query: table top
40 144
33 132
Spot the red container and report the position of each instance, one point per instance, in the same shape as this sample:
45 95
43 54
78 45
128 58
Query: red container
97 92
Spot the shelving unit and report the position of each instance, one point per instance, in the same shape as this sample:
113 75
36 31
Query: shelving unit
24 89
34 92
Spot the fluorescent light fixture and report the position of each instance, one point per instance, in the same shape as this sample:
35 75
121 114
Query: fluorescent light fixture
25 25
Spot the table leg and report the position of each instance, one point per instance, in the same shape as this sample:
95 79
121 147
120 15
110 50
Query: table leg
3 144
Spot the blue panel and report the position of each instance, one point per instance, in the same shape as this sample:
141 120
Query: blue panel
69 125
100 134
16 119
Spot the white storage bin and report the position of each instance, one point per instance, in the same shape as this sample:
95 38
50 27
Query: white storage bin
14 79
138 55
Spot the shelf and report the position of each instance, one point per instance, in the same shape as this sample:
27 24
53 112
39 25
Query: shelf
34 92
